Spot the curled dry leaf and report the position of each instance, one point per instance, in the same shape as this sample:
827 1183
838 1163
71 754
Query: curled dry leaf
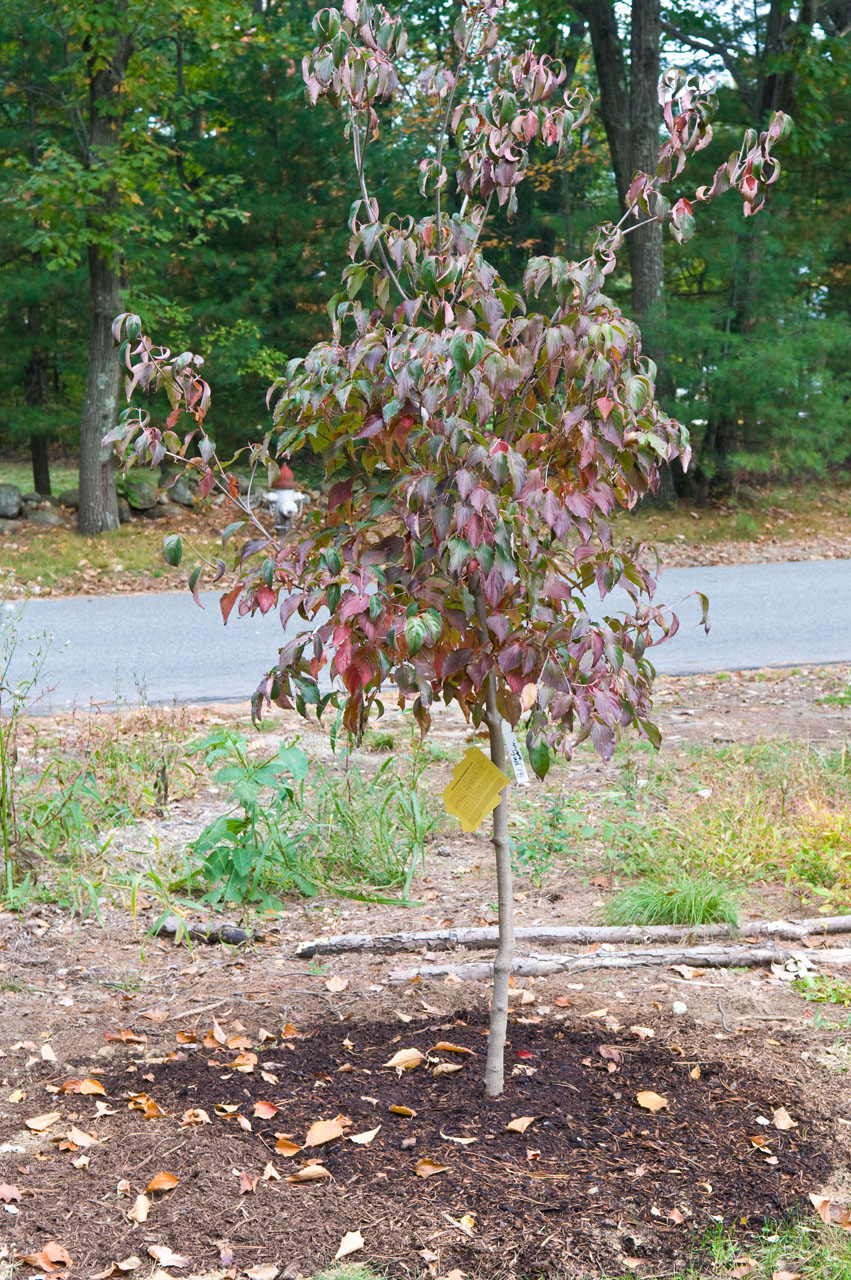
325 1131
79 1137
310 1173
365 1138
53 1257
265 1110
38 1124
263 1271
336 984
406 1060
450 1137
85 1087
285 1147
239 1042
651 1101
48 1054
163 1182
140 1209
143 1102
244 1123
444 1046
695 1073
781 1119
245 1062
427 1168
743 1267
643 1033
118 1268
785 1275
447 1069
519 1124
195 1115
399 1110
126 1037
835 1215
350 1243
166 1257
246 1182
270 1174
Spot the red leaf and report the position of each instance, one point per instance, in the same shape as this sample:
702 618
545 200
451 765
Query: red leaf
228 601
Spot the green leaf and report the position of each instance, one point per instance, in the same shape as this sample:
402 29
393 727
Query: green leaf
539 756
172 549
416 632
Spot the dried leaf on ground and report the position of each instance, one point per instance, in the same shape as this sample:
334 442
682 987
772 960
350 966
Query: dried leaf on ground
835 1215
447 1069
450 1137
166 1257
427 1168
83 1086
118 1268
270 1173
195 1115
781 1119
38 1124
143 1102
310 1173
743 1267
53 1257
126 1037
785 1275
140 1209
79 1137
651 1101
399 1110
8 1193
519 1124
406 1060
163 1182
326 1131
265 1110
444 1046
286 1148
365 1138
643 1033
263 1271
247 1184
245 1062
336 984
350 1243
48 1054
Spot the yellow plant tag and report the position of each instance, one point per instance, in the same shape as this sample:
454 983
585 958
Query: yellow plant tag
474 790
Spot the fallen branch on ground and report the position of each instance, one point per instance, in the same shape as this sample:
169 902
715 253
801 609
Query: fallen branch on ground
448 939
699 957
178 928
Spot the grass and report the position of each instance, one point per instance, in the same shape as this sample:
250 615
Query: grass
686 900
824 989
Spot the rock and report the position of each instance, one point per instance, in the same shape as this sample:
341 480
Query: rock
155 512
123 510
141 492
9 526
679 1007
69 498
33 499
182 493
11 501
47 518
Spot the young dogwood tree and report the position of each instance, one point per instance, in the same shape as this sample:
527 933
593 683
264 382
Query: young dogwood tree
477 437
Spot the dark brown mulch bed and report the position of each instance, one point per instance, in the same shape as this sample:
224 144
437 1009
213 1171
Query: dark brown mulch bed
594 1180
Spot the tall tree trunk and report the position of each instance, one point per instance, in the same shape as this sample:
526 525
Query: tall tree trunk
40 464
98 500
37 394
504 960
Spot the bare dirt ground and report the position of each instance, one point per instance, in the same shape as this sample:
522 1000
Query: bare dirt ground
212 1065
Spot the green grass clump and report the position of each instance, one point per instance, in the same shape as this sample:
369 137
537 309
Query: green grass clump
824 989
687 900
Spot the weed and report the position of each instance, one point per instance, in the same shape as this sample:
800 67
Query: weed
378 740
684 901
824 989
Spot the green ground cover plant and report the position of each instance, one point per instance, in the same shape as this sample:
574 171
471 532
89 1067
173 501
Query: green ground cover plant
682 900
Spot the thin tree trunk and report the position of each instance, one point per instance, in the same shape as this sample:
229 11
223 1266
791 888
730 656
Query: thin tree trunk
504 960
98 500
40 464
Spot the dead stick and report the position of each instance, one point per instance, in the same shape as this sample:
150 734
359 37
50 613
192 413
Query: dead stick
700 957
447 939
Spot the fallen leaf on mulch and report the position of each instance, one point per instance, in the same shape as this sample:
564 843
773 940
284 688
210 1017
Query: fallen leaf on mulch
126 1037
51 1258
286 1148
406 1060
140 1210
427 1168
78 1138
118 1268
781 1119
38 1124
336 984
520 1124
163 1182
444 1046
263 1271
743 1267
150 1109
651 1101
835 1215
563 1002
8 1193
447 1069
195 1115
450 1137
265 1110
365 1138
166 1257
245 1062
246 1182
47 1053
270 1173
350 1243
310 1173
643 1033
785 1275
399 1110
326 1131
82 1086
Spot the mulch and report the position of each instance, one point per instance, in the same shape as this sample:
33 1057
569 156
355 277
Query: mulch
594 1184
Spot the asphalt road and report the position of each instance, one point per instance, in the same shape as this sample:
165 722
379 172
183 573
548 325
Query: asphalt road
164 649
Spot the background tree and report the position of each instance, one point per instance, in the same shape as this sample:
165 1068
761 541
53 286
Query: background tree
478 437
